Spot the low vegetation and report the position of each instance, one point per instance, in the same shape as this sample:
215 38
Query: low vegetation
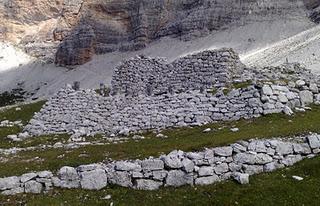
187 139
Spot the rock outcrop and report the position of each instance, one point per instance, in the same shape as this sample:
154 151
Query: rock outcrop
45 28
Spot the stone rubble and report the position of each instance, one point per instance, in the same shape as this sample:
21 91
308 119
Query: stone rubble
178 168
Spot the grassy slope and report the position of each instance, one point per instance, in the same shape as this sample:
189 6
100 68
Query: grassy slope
187 139
267 189
24 115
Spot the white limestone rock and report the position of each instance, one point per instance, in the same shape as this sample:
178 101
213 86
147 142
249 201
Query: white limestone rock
152 164
306 97
120 178
8 183
145 184
314 141
223 151
94 180
127 166
177 178
207 180
28 176
241 178
33 187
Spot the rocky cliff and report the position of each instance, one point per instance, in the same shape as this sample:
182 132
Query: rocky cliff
72 31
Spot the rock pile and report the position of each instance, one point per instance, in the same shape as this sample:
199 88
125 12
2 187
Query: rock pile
143 75
178 168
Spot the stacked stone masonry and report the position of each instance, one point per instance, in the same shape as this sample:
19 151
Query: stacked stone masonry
88 113
194 90
178 168
143 75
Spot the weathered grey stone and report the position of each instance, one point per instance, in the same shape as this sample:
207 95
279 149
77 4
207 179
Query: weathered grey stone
69 184
205 171
301 148
291 160
159 174
68 173
243 158
120 178
33 187
207 180
93 180
241 178
145 184
284 148
15 191
127 166
178 178
188 165
9 183
152 164
223 151
173 160
29 176
252 169
262 158
266 90
306 97
272 166
221 168
314 141
257 146
45 174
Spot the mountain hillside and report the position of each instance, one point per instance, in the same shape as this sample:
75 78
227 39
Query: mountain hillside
58 42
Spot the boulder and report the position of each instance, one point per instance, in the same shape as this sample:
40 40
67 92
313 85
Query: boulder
241 178
94 180
221 168
9 183
188 165
152 164
120 178
33 187
314 141
127 166
306 97
173 160
205 171
223 151
178 178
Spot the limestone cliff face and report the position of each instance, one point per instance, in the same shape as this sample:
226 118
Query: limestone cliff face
74 30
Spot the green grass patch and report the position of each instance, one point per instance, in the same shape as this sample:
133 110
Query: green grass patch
24 115
186 139
277 188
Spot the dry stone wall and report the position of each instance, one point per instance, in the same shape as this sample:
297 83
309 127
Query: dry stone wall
178 168
87 113
144 75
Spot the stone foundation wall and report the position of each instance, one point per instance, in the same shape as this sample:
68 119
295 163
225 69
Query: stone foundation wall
178 168
87 113
145 75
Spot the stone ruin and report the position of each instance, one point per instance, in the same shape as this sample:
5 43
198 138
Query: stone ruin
144 75
239 161
177 97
